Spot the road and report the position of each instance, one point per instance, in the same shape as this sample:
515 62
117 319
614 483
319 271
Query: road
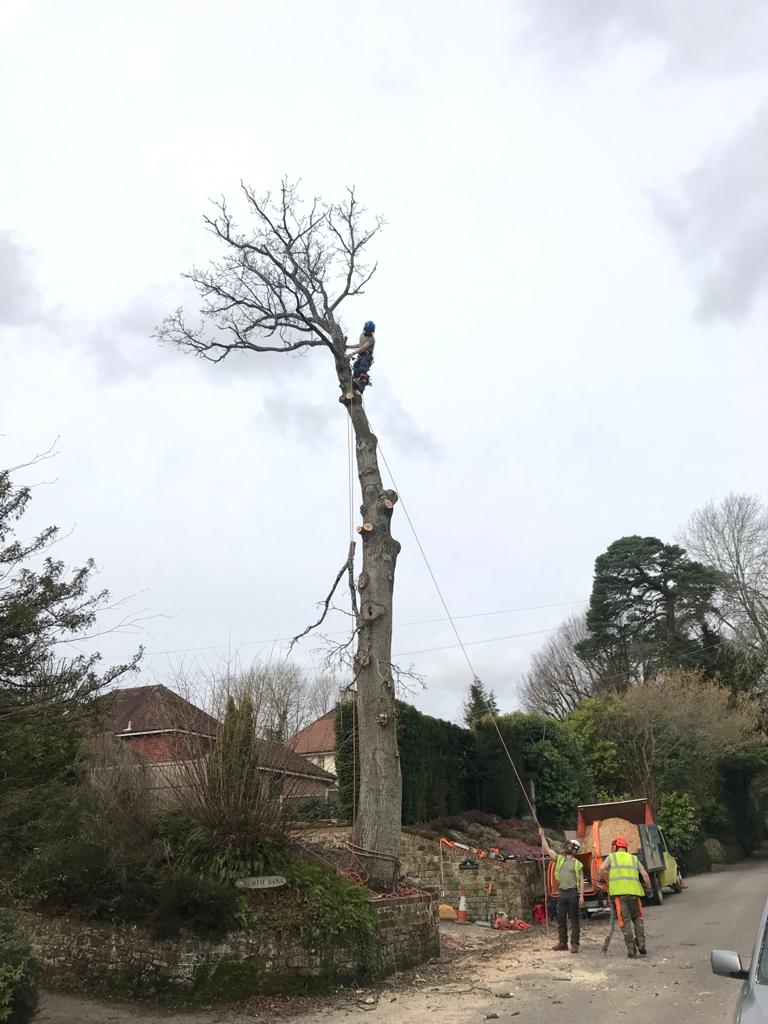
517 977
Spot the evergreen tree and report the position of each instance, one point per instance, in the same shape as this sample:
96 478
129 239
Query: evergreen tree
41 609
651 608
46 700
479 703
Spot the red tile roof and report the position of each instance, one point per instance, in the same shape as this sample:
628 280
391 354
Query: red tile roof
151 709
148 709
317 738
281 758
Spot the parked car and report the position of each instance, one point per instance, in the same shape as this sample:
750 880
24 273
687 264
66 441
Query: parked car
752 1006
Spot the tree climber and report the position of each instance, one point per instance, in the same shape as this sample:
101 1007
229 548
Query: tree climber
364 353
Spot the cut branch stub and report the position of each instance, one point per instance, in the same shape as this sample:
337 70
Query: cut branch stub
370 610
389 498
365 528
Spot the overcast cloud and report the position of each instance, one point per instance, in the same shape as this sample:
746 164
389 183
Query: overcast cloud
570 301
706 37
719 219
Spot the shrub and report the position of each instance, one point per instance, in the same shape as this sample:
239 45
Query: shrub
78 877
483 835
698 861
723 853
329 905
678 818
73 876
192 846
312 808
185 902
18 976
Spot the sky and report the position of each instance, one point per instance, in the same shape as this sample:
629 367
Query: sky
571 305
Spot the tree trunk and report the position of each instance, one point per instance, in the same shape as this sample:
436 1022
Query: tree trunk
378 822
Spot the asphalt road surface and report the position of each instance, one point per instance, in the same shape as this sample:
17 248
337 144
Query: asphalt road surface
518 978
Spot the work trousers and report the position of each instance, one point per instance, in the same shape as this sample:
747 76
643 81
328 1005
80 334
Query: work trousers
362 364
568 910
629 914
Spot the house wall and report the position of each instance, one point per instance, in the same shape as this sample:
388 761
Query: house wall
325 760
164 754
296 788
163 747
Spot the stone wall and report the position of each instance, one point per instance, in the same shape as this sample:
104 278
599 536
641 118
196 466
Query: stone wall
125 960
515 884
407 932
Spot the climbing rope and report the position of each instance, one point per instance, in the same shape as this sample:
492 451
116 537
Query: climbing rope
350 480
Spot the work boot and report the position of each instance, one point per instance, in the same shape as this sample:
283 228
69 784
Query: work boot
574 947
560 948
642 951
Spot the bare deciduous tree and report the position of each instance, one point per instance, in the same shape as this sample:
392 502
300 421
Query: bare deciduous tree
559 680
279 287
732 537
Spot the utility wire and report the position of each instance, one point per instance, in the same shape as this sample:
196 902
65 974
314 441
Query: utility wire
397 625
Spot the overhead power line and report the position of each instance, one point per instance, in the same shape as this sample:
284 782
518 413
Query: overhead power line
397 625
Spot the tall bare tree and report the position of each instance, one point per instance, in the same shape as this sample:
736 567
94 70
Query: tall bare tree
732 537
278 286
559 680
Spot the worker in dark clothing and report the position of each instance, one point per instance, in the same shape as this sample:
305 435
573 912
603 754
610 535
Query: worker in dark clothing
569 874
364 353
626 877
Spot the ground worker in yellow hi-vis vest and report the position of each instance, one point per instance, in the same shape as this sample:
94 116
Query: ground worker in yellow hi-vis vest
569 874
625 874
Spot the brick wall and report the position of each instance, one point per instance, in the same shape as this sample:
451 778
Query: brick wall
125 960
157 748
516 884
296 788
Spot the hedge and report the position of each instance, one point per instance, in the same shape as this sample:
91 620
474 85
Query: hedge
436 759
447 769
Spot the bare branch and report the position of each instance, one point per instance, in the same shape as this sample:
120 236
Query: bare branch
348 567
278 284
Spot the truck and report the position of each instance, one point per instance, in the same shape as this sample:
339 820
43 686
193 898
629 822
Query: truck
650 847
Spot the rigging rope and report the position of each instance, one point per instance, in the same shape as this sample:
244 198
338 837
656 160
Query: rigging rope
475 677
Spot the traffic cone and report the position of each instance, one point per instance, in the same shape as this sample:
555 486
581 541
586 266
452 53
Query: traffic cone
462 915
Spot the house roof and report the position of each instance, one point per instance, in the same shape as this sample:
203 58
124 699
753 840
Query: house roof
152 709
281 758
140 709
318 737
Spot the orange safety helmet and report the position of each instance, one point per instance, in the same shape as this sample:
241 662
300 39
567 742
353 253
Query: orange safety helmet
621 843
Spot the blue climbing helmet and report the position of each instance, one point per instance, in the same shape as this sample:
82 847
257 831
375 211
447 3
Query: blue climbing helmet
369 327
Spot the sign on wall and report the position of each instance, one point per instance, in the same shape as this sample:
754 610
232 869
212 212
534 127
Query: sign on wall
261 882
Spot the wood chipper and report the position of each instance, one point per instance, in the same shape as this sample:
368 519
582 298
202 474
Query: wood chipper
598 825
